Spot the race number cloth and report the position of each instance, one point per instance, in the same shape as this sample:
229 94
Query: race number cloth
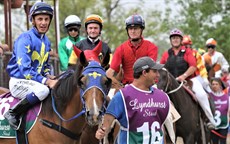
146 113
6 102
221 110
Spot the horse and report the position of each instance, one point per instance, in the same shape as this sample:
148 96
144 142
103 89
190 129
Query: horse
3 90
211 71
78 100
188 126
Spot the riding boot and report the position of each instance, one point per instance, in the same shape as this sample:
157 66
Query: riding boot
13 115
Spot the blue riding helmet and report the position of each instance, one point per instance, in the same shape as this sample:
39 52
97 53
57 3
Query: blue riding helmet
41 8
135 20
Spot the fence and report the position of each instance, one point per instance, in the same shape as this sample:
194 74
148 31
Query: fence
4 77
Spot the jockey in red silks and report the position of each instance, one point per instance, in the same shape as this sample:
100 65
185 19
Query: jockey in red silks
181 63
135 47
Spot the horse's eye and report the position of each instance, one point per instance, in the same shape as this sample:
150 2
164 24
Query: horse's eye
82 82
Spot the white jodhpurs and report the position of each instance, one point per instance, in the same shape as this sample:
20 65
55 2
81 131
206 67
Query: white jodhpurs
202 98
19 88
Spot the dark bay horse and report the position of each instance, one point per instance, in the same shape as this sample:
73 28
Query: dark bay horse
78 100
188 126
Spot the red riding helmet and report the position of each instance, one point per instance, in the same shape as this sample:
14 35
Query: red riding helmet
186 40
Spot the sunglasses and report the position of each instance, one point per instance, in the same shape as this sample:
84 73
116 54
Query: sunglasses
212 47
72 29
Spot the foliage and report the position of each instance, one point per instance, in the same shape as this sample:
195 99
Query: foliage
114 13
203 19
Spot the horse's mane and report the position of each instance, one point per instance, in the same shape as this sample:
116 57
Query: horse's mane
63 92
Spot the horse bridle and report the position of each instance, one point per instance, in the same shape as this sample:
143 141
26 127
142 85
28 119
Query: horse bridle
167 84
95 72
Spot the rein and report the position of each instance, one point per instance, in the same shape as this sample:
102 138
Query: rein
167 85
59 128
172 91
59 115
218 134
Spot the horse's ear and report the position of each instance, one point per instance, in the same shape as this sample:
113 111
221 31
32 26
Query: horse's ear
106 59
97 50
83 59
77 51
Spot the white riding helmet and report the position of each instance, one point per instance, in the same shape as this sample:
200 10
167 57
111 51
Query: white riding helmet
72 20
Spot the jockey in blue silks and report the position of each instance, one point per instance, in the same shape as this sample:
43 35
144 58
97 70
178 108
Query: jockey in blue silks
28 67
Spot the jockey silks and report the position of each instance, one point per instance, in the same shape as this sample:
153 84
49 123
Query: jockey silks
30 57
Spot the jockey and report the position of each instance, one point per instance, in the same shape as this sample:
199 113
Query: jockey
28 67
93 27
135 47
65 47
201 70
181 63
214 58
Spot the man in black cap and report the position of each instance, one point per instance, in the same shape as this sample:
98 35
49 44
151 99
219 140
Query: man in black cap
140 108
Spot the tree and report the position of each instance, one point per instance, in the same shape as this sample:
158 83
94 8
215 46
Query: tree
203 19
114 13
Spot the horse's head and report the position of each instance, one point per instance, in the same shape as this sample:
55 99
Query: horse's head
166 81
94 88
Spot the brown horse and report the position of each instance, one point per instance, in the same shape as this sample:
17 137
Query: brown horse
78 101
211 71
3 90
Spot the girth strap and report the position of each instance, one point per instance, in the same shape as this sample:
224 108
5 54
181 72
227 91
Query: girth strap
60 129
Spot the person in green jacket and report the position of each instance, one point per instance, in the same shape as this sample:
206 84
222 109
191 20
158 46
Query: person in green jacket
72 25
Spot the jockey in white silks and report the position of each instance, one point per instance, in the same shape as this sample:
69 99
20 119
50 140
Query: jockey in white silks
215 59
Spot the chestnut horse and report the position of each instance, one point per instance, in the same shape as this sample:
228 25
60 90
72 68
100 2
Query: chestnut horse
78 100
188 126
3 90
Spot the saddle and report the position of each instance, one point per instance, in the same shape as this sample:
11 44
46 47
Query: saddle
6 102
188 87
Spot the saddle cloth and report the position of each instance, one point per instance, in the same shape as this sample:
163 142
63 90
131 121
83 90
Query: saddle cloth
6 102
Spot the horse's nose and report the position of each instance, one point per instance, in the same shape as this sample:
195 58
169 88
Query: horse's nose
92 117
